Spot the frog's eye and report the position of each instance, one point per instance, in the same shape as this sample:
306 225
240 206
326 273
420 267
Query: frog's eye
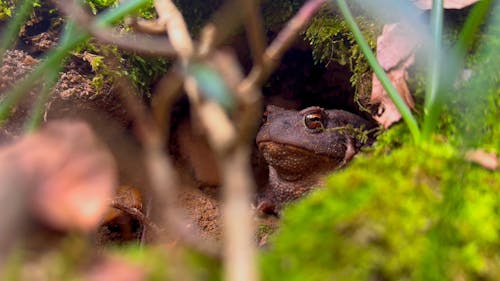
314 121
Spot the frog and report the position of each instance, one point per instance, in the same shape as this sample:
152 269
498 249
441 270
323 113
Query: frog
301 147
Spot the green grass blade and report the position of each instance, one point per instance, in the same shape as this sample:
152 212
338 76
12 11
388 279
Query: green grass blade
55 58
379 71
432 105
14 26
42 98
469 30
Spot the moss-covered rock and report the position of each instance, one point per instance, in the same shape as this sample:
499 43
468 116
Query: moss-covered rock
416 213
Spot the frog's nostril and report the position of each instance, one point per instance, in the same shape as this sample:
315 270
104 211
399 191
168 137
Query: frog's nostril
286 124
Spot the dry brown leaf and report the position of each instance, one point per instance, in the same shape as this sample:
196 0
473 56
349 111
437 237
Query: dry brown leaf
68 175
395 52
396 43
448 4
487 160
116 269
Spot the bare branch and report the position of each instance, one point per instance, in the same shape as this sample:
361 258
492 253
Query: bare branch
239 250
145 26
171 18
137 214
232 153
135 41
163 178
282 42
255 30
223 24
166 91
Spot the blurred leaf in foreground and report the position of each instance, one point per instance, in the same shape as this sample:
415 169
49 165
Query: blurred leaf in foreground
67 174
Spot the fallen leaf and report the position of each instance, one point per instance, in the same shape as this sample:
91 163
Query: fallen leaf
447 4
487 160
395 53
68 174
396 43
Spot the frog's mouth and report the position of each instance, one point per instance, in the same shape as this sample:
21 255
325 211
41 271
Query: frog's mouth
279 148
292 159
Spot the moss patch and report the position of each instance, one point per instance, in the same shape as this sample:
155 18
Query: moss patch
6 8
412 214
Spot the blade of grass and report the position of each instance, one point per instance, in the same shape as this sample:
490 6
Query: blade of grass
56 56
432 105
379 71
471 26
39 107
14 26
53 60
456 61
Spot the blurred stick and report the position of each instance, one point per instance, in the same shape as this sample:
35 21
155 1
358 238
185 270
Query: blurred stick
164 180
224 22
145 26
170 17
255 30
165 93
232 154
275 51
134 42
239 250
137 214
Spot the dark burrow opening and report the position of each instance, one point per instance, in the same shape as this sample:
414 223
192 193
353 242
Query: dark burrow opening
300 82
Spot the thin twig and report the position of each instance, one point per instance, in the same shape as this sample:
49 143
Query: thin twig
170 17
239 250
255 30
143 44
137 214
283 41
163 178
166 91
232 155
145 26
223 23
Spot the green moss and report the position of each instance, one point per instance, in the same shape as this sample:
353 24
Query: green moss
148 12
6 8
144 71
412 214
73 258
97 5
175 264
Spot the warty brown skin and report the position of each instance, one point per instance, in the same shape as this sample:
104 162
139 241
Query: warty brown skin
300 147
